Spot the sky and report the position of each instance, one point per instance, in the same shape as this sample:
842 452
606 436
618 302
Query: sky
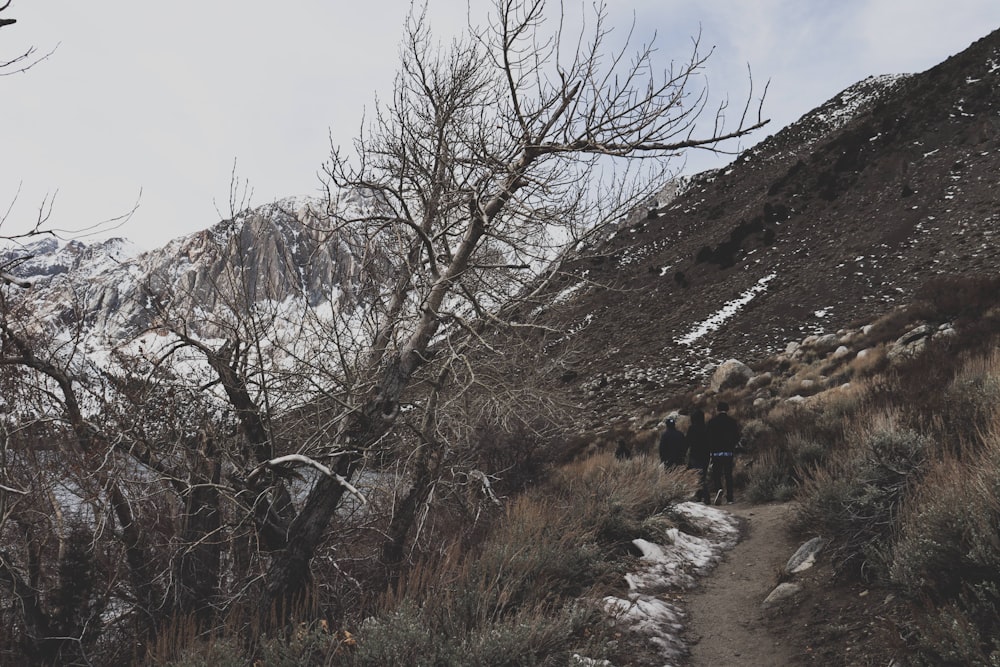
156 106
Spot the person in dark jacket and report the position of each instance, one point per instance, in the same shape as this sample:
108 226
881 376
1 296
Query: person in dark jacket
723 437
623 452
673 448
698 453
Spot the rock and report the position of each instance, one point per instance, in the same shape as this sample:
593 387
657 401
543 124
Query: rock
945 331
795 400
758 381
911 343
847 337
915 334
805 557
841 352
791 348
781 592
730 374
826 342
899 352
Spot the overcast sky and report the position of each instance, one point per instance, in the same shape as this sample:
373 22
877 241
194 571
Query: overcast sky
163 99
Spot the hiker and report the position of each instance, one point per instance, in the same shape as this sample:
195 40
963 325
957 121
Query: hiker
723 437
698 453
673 447
623 452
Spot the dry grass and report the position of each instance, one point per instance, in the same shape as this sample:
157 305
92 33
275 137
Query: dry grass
856 493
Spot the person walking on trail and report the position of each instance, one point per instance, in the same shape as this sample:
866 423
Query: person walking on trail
723 437
624 452
699 455
673 447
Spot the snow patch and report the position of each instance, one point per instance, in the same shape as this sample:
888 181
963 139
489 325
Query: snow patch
669 566
719 317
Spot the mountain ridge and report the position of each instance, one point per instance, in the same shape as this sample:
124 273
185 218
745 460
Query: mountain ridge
850 225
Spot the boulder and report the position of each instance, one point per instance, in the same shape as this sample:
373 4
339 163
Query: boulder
805 557
911 343
826 342
915 334
729 375
782 592
841 352
946 330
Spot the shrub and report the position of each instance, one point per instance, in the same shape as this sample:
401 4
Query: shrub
970 400
947 636
873 360
947 297
770 478
210 653
511 600
805 452
948 555
854 498
613 497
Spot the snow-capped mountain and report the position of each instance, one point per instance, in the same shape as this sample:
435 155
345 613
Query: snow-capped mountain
276 252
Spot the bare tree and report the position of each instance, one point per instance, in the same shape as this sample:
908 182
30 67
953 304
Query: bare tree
493 155
491 151
22 62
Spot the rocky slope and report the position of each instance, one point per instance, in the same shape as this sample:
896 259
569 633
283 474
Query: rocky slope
829 223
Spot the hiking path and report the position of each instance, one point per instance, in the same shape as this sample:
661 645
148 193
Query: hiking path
726 621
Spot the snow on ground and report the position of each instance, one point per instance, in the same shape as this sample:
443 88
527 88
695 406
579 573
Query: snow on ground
671 566
716 319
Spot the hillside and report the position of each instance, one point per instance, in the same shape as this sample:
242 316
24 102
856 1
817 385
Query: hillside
829 223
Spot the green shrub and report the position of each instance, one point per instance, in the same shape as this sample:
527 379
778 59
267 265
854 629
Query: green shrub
805 452
770 479
854 499
947 556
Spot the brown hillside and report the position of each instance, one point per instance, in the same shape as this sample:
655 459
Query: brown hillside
830 222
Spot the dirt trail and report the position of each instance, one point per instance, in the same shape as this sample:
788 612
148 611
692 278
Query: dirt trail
725 624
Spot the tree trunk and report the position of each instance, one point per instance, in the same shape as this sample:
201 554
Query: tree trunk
199 567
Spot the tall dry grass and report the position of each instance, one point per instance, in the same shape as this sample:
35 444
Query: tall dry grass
946 554
526 595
